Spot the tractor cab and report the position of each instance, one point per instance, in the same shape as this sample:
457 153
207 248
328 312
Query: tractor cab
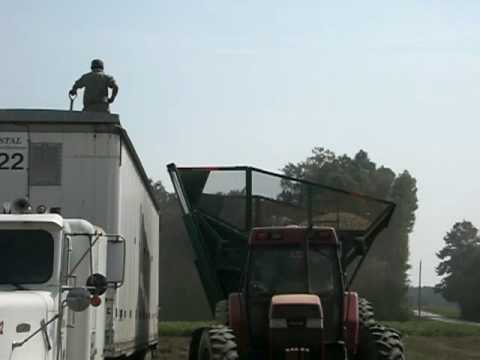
292 260
293 281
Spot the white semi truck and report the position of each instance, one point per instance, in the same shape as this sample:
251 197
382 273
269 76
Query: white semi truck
79 239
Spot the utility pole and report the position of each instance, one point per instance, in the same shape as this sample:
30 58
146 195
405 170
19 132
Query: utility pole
420 290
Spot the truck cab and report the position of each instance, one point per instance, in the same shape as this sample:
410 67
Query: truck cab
51 286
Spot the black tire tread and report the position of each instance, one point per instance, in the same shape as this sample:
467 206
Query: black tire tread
365 312
389 343
377 342
194 344
222 343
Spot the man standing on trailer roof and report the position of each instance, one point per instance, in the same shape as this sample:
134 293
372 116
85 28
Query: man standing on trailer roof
96 84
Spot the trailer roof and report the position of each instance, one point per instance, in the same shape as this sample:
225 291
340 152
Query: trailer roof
43 116
91 121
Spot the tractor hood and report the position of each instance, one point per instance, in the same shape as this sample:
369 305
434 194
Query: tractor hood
20 315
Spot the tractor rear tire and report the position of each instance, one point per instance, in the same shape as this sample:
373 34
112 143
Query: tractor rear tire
221 312
378 342
365 312
217 343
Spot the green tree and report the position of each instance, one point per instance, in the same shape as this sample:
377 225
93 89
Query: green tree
383 277
459 267
391 250
162 196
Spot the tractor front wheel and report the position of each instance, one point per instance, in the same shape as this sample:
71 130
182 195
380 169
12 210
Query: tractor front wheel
217 343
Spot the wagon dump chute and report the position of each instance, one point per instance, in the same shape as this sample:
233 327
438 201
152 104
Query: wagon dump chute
221 205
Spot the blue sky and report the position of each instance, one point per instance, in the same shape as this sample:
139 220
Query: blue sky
263 82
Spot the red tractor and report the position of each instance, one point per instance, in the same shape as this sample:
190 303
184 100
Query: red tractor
294 305
293 299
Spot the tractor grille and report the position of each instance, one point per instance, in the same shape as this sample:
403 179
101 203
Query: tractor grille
295 311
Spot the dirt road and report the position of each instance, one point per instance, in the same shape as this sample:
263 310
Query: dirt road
173 348
418 348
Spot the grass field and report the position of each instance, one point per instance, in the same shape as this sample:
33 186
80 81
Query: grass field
424 340
433 328
180 328
442 348
449 312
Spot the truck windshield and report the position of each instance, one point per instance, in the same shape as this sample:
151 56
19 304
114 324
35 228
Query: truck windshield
282 270
26 256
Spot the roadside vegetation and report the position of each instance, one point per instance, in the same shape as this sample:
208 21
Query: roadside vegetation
180 328
433 328
432 301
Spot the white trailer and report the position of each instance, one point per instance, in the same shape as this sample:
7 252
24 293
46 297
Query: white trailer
83 166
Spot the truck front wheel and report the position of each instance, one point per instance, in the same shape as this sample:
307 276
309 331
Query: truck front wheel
148 355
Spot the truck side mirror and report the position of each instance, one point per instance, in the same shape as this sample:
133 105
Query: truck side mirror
116 261
97 284
78 299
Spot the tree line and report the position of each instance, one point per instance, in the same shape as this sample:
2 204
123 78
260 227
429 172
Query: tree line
383 276
460 261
